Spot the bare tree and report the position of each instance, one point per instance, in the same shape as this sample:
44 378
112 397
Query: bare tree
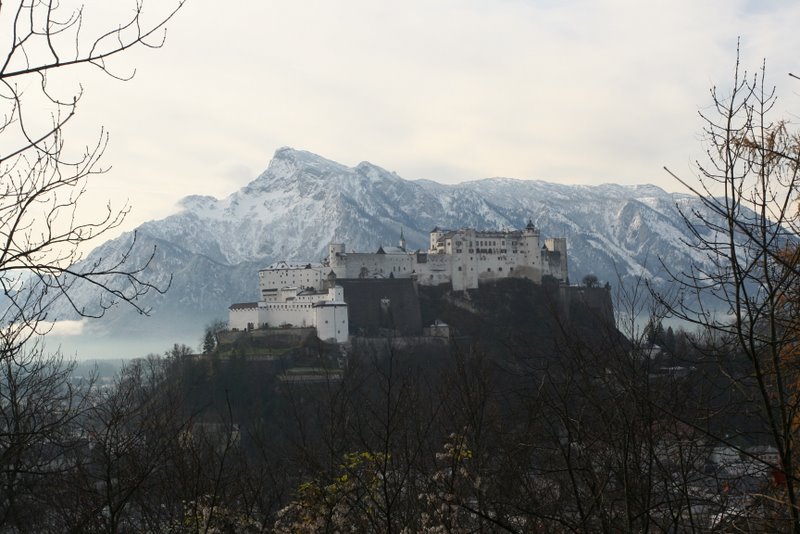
590 280
129 438
44 227
743 293
42 182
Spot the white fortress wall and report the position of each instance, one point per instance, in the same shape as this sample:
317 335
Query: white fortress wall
330 319
283 313
296 306
242 317
372 265
299 306
285 274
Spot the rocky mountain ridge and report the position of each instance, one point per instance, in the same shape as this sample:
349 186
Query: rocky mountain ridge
213 248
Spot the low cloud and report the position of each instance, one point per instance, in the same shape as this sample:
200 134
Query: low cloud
67 328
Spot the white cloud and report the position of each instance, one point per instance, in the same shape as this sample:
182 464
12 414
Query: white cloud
574 91
65 328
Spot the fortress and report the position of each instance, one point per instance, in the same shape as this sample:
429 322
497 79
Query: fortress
462 258
306 294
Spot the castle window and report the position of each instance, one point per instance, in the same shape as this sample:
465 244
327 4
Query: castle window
500 269
459 268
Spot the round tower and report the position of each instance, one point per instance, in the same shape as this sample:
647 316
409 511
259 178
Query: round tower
532 252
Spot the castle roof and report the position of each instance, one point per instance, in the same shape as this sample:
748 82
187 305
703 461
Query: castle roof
498 234
292 265
391 250
328 304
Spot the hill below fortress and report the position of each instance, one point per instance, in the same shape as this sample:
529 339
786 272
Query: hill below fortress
512 309
509 321
211 249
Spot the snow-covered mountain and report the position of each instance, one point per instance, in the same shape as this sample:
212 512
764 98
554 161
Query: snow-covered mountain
214 247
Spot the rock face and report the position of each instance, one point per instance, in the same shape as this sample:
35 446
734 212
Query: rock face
514 318
383 307
213 248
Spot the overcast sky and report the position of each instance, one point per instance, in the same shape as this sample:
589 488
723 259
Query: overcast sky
565 91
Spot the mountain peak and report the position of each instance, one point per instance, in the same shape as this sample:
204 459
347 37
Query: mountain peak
302 158
290 163
195 202
373 172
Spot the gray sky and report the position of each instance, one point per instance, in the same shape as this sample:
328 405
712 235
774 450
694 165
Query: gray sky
566 91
